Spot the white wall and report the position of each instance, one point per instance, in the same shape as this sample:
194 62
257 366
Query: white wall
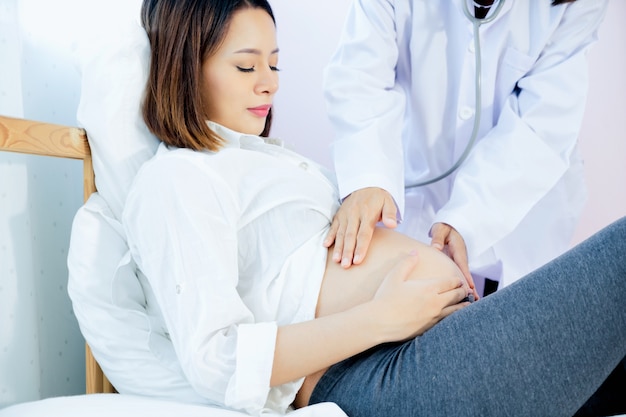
603 135
41 349
307 36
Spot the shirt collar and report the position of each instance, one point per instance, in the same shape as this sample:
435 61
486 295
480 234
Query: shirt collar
233 139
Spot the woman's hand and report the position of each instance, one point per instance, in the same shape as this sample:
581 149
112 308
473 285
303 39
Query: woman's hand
353 225
446 239
403 303
405 308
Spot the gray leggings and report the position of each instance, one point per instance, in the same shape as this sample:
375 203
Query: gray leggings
539 347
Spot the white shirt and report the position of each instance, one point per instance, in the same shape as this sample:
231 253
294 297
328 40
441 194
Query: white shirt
230 244
400 93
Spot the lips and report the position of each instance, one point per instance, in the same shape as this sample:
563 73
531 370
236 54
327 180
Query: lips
260 111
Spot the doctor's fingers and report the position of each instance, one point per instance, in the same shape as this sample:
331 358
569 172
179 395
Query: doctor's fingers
332 232
363 239
358 235
440 233
374 205
389 215
447 237
339 224
343 233
345 242
356 220
458 252
336 232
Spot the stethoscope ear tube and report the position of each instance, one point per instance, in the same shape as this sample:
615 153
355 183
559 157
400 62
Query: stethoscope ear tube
476 23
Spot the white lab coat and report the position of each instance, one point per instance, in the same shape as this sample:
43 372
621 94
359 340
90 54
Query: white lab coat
401 97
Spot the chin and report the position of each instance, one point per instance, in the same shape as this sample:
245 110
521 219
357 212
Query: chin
254 132
253 129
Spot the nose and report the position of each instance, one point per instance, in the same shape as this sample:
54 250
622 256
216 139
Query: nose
267 82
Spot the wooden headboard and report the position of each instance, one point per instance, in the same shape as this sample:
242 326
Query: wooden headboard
47 139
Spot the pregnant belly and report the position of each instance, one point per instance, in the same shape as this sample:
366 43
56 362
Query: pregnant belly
343 289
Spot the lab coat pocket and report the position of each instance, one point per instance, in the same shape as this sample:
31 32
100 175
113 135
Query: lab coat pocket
514 66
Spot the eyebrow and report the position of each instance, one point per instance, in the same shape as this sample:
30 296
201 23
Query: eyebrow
254 51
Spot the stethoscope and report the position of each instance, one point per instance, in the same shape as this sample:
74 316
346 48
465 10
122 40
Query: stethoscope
476 23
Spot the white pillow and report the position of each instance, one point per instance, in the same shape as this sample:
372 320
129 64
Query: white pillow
110 306
108 300
113 59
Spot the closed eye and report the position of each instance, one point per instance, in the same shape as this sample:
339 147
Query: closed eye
251 69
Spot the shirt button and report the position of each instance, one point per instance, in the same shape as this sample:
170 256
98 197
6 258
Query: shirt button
466 113
304 165
471 47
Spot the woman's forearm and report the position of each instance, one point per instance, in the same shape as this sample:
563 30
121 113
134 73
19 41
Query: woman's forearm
307 347
400 308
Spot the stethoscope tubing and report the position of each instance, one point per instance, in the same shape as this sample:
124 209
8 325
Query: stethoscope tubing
476 23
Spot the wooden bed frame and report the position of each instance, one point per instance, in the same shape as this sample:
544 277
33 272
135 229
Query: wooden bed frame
47 139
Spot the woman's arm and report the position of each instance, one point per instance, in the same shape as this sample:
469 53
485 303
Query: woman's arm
182 221
401 308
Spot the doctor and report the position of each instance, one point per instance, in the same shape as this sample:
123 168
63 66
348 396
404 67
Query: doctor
413 95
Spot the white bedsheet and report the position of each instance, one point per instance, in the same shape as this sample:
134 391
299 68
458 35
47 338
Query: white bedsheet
118 405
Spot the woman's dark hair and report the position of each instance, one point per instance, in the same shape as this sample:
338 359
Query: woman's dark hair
182 34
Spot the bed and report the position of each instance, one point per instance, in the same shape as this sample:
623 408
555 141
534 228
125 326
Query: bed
115 405
107 298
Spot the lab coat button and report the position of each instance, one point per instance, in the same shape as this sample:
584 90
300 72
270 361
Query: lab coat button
304 165
471 47
466 113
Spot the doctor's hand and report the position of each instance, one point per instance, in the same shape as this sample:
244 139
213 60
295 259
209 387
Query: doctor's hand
446 239
353 225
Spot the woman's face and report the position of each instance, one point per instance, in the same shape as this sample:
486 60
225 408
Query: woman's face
241 78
